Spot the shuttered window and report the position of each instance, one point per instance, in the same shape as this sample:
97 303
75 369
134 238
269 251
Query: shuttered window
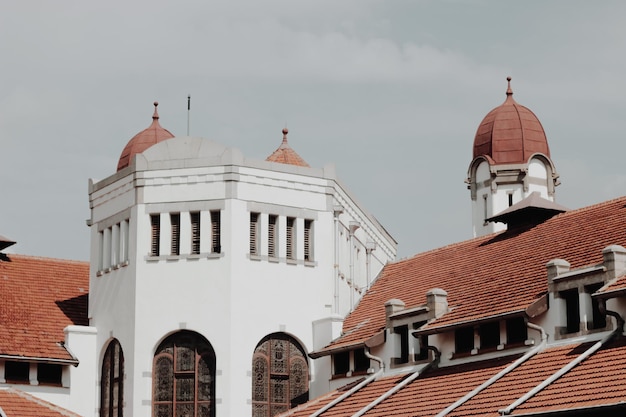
195 232
308 249
155 224
272 233
254 233
290 253
175 222
216 240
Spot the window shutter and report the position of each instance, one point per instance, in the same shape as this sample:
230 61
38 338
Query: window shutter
215 232
195 232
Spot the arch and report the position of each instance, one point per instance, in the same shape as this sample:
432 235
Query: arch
112 381
553 176
482 162
183 376
280 375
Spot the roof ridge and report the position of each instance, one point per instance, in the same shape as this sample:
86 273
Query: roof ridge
42 402
46 258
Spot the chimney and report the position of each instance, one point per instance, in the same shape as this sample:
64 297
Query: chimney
556 267
614 260
393 306
437 302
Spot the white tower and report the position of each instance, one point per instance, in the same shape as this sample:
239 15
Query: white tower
511 160
208 270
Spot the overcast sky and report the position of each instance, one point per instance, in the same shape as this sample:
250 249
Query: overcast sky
391 92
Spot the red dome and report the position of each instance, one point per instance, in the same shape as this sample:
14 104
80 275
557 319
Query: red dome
510 133
143 140
285 155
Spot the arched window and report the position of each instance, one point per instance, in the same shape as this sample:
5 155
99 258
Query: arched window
280 375
183 377
112 383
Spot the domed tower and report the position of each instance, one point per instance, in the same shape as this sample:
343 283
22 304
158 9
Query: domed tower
212 276
511 160
152 135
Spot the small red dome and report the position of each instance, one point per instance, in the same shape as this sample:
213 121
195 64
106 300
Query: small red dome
285 155
510 133
143 140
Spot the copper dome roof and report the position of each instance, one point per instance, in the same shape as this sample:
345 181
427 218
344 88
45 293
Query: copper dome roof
285 155
143 140
510 133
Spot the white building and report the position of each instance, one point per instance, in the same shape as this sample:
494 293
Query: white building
214 276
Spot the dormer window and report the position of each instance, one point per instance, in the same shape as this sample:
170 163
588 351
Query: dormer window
361 362
516 330
572 310
489 335
464 340
341 363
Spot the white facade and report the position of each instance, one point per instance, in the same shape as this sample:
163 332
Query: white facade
496 187
230 288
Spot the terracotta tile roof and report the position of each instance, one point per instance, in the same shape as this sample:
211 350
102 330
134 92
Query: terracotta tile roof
614 288
285 155
39 297
599 380
16 403
475 273
443 386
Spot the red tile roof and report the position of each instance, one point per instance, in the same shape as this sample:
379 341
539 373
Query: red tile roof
153 134
39 297
285 155
16 403
597 381
510 133
617 287
475 273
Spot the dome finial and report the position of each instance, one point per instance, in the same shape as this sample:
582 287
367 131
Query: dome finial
509 92
285 131
155 116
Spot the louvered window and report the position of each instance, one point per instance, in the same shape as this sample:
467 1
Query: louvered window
216 240
308 244
112 383
155 224
175 221
291 253
184 377
272 233
254 233
280 379
195 232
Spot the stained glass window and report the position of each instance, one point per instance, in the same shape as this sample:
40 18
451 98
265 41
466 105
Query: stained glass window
280 375
183 377
112 382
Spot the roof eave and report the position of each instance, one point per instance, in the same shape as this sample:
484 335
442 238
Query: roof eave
457 325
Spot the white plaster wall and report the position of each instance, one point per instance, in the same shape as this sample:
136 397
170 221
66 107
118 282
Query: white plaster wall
232 300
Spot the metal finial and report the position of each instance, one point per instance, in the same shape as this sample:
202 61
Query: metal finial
509 92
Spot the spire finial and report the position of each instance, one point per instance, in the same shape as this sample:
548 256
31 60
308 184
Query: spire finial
155 116
509 92
285 131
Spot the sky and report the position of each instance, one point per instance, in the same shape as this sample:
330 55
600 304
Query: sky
390 92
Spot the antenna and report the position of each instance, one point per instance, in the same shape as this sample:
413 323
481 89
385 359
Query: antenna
188 111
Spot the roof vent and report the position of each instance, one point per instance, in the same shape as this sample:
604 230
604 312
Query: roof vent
5 242
529 212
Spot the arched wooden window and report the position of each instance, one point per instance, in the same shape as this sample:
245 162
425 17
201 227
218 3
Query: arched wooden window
184 377
112 383
280 375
